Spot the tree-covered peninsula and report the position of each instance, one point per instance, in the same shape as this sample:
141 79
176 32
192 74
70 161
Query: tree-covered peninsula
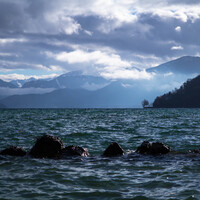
187 96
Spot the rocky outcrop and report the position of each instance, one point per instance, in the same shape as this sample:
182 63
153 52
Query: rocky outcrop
154 149
74 151
13 151
194 151
144 148
114 149
47 146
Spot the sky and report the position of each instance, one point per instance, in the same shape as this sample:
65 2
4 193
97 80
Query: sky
111 38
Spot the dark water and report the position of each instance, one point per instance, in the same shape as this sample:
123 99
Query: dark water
128 177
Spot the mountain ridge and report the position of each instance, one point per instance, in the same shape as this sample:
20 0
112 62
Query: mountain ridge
71 98
183 65
187 96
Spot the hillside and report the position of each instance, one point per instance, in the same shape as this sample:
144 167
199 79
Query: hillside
114 95
2 106
6 84
184 65
71 80
187 96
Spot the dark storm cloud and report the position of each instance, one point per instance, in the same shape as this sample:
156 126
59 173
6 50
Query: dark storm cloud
11 16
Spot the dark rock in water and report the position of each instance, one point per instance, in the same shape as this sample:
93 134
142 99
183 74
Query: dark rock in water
47 146
194 151
159 148
144 148
74 151
13 151
114 149
154 149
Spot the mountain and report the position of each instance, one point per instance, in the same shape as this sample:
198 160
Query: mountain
20 83
113 95
6 84
184 65
187 96
71 80
2 106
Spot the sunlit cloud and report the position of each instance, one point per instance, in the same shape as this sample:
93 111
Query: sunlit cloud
11 40
101 36
14 76
177 48
178 29
95 57
127 74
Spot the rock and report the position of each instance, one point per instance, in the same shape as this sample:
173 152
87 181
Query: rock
154 149
13 151
114 149
74 151
159 148
47 146
144 148
194 151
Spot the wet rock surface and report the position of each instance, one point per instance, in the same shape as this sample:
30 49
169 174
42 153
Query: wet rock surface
74 151
197 151
114 149
13 151
153 149
47 146
144 148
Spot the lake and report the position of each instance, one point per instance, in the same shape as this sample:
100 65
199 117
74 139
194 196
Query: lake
132 176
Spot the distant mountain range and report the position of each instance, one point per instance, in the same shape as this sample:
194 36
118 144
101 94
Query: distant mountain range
183 65
2 106
187 96
7 84
113 95
71 80
20 83
76 90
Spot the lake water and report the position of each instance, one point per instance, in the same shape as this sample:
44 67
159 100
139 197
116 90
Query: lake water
173 176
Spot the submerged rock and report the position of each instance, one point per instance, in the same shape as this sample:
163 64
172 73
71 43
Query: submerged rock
13 151
114 149
154 149
47 146
74 151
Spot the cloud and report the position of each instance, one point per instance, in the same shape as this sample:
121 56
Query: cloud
6 65
108 65
127 74
4 41
177 48
10 77
96 35
178 29
95 57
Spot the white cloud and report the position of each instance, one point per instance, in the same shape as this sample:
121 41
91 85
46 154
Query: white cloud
95 57
177 48
88 32
6 65
127 74
11 40
63 24
14 76
109 65
178 29
4 54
